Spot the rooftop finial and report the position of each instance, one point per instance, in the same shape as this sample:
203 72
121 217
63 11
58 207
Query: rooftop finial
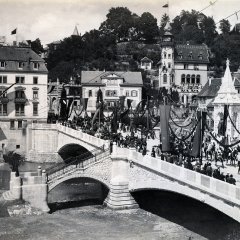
227 62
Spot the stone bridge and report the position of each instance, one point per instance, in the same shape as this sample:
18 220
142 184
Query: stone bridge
125 171
45 141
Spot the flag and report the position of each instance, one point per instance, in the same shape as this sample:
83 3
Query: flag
236 15
14 31
129 103
165 6
84 103
164 121
222 126
122 100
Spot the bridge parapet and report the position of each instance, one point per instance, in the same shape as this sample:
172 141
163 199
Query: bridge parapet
152 173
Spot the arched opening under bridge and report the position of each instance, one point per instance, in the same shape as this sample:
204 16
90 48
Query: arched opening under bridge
187 212
69 151
77 192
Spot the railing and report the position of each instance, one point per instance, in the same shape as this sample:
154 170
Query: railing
79 162
202 182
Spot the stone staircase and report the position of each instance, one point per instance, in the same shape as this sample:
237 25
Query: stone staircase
8 196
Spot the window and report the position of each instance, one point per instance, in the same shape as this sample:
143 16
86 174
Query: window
90 93
183 80
19 94
127 93
2 64
35 94
3 109
134 93
193 79
196 67
111 93
12 124
35 65
169 65
19 124
17 146
190 55
188 78
20 79
164 55
19 108
185 66
198 79
3 94
35 109
165 78
35 80
20 65
3 79
200 56
169 56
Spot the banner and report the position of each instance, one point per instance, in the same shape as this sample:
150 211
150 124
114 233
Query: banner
164 121
84 102
197 140
122 100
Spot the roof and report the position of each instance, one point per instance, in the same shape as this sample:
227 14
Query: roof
12 55
210 91
146 59
94 77
189 53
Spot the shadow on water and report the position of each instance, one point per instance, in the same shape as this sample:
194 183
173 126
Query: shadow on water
77 192
189 213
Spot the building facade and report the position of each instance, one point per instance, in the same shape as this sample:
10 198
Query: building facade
113 85
23 85
183 65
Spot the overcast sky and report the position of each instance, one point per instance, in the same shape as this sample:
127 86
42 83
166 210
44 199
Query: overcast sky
52 20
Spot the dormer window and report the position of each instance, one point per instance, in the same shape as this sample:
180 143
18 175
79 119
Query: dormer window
164 55
190 55
35 65
20 65
2 64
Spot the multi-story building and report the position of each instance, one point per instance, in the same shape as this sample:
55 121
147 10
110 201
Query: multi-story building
183 66
113 85
23 85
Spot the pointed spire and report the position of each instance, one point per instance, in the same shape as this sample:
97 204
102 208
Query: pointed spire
167 27
75 32
227 93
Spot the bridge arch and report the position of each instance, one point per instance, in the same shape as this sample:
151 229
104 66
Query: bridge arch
103 181
72 150
190 192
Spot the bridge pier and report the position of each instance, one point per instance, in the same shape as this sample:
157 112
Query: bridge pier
119 196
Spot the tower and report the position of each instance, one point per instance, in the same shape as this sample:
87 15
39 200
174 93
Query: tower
166 68
227 95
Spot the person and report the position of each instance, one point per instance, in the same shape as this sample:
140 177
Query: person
209 170
153 154
231 180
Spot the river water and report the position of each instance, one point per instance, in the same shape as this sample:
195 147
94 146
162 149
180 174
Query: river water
162 215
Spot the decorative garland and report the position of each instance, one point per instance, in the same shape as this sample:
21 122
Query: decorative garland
180 125
220 143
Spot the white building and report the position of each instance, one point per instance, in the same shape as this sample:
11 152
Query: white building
25 74
113 85
183 65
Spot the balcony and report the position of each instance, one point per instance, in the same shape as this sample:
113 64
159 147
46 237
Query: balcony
4 100
20 100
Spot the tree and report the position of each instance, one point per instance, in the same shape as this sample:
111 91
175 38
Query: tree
36 46
119 21
225 26
148 27
164 20
14 159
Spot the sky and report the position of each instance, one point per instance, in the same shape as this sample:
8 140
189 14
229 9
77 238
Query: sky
52 20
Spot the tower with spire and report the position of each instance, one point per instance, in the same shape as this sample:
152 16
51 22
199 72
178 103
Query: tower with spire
227 95
166 67
75 32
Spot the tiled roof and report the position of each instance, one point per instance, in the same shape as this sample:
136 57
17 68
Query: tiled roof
13 55
187 53
212 90
94 77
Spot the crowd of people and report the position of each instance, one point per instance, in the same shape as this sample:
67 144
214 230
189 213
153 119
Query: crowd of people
127 137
